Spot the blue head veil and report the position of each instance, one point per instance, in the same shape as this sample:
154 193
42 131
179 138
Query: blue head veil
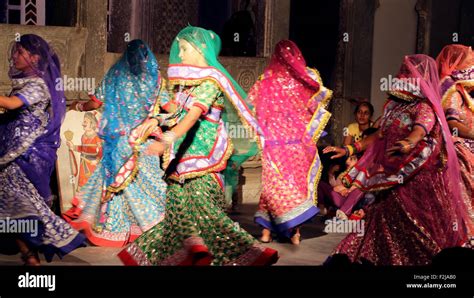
129 90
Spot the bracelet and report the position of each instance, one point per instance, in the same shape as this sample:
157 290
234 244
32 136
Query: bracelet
169 137
349 150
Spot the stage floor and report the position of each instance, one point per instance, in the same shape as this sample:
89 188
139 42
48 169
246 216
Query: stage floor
315 246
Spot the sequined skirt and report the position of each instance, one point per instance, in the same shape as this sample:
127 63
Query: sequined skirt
132 211
25 215
466 163
408 225
285 201
196 231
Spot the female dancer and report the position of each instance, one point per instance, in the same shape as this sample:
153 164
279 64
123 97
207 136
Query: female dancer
290 102
456 67
126 194
420 210
196 230
29 139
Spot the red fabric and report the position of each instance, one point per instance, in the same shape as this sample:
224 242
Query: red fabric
454 57
95 99
287 60
73 213
198 255
267 258
126 258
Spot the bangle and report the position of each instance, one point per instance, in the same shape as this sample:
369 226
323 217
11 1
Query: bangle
349 150
169 137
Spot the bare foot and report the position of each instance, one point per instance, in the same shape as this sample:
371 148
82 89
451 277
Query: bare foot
296 238
266 236
30 259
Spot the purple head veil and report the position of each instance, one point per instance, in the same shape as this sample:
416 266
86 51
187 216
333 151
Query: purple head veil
49 69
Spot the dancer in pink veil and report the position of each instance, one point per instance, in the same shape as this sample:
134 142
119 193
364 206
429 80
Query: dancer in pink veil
456 68
412 162
290 102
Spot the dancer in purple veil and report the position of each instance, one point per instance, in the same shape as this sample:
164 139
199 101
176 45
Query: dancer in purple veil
29 138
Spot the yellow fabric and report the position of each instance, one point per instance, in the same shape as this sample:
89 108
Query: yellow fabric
355 132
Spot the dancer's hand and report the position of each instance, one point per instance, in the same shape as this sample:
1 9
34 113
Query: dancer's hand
400 147
156 148
339 152
353 187
147 126
340 189
70 145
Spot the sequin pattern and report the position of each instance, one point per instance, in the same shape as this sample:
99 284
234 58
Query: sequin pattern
456 109
24 126
290 102
412 221
207 146
130 212
20 200
195 211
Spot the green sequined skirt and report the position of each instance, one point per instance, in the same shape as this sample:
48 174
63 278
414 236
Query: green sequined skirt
196 231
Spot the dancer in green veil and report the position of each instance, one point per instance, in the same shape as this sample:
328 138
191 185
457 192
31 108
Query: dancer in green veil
196 230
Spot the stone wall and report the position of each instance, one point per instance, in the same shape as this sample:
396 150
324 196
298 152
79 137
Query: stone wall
394 37
353 63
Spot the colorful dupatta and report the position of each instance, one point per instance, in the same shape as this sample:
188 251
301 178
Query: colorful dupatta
129 92
209 45
290 102
456 65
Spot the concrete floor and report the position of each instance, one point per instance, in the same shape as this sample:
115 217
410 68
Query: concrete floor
313 250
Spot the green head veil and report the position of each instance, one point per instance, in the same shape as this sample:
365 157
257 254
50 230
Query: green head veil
208 44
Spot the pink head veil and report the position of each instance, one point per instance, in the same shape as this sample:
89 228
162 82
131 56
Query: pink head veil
286 86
